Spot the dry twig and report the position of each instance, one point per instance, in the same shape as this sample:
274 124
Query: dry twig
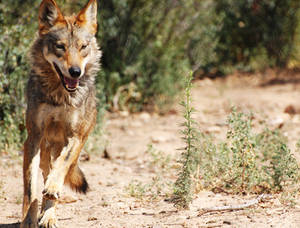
232 207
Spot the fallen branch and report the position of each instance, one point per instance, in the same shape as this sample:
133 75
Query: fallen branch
232 207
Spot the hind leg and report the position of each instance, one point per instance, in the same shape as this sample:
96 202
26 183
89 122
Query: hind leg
30 175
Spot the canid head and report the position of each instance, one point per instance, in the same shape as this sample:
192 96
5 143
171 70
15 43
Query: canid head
65 54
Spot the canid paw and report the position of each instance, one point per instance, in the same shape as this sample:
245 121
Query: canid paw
51 192
29 224
30 220
48 219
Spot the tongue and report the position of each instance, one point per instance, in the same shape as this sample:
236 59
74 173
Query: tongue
72 83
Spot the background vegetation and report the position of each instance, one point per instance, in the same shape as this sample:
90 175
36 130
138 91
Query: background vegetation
148 46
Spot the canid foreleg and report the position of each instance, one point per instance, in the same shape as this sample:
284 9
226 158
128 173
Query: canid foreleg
61 166
55 180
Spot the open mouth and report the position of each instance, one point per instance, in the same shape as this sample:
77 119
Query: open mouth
69 83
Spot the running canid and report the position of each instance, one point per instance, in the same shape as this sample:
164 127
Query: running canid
61 108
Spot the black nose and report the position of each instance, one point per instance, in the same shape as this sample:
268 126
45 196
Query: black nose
74 71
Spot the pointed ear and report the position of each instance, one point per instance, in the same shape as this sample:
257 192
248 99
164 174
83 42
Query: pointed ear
49 15
87 17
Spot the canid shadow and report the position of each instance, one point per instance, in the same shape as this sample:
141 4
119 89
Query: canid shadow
12 225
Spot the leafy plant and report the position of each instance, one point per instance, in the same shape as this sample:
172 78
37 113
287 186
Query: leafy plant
279 164
184 186
247 162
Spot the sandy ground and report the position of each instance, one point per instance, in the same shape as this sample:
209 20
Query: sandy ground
109 203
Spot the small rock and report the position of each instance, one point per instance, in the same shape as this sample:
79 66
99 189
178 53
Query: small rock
130 133
92 218
84 156
67 199
124 113
109 184
278 121
159 139
214 129
106 154
206 82
290 109
121 205
136 124
227 222
145 117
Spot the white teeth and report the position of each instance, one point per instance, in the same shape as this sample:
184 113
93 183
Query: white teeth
67 86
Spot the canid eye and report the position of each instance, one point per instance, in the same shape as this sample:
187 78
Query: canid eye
60 46
83 46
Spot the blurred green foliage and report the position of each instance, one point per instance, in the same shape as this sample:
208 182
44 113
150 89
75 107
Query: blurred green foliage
16 34
148 46
256 34
144 45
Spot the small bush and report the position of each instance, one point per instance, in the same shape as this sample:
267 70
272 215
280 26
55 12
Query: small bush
246 162
279 165
184 186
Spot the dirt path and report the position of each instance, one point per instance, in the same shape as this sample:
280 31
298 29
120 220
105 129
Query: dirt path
109 204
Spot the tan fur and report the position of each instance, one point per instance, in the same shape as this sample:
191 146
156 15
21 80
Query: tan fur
61 109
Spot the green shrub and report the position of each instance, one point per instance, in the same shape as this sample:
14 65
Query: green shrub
144 47
190 156
256 33
279 164
246 162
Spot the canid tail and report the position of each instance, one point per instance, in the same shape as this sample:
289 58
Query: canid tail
76 180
